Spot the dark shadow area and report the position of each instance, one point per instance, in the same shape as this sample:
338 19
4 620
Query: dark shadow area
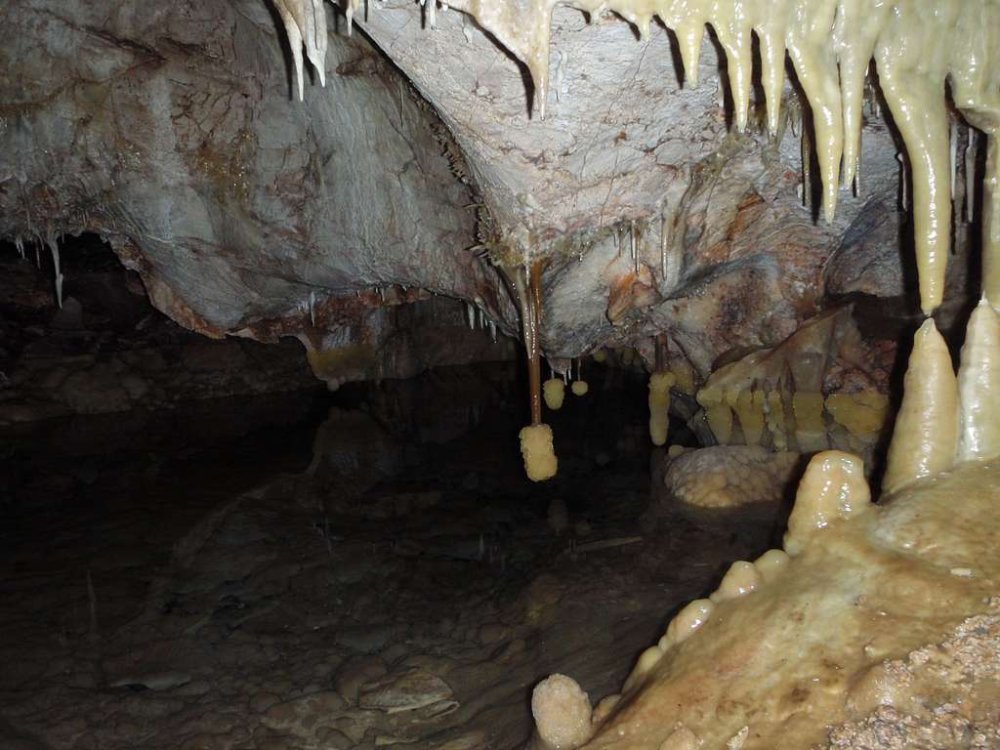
289 568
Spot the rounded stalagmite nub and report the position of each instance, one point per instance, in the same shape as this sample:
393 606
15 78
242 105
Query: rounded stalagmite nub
833 489
562 713
686 622
741 579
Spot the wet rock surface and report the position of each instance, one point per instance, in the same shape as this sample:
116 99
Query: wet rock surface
226 594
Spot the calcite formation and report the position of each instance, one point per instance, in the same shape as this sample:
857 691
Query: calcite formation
917 47
631 213
821 643
823 387
730 476
831 44
402 179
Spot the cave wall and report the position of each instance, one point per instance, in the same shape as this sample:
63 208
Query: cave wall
168 129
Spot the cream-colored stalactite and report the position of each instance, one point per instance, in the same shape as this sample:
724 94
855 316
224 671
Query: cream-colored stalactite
751 413
305 25
974 82
979 387
855 33
659 406
917 45
770 28
912 70
925 437
815 63
810 428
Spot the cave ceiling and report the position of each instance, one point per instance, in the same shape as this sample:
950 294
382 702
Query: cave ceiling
424 167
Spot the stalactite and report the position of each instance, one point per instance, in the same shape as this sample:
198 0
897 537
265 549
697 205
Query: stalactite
537 449
54 249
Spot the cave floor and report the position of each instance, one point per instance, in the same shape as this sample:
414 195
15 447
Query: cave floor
245 575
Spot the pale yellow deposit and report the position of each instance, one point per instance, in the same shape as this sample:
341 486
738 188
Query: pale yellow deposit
554 393
659 406
869 585
925 438
539 455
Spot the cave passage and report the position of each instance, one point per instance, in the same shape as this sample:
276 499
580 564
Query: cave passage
357 569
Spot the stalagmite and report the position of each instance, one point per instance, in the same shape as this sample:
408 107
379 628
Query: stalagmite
741 579
979 387
681 738
832 489
771 564
687 621
925 437
562 714
646 661
991 221
659 406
